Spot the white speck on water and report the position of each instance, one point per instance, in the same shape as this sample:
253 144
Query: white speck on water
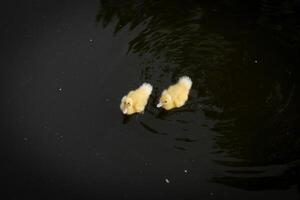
91 40
185 171
60 89
255 61
167 180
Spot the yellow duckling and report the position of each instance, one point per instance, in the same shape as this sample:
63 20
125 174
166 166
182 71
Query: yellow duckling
176 95
136 100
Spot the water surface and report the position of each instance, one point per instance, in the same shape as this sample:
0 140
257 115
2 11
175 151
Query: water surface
67 64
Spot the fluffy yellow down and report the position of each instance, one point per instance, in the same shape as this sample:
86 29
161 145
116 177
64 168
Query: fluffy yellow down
136 100
176 95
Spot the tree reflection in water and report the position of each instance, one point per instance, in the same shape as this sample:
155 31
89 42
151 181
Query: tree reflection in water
242 57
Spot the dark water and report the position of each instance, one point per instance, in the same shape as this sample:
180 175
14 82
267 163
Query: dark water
65 66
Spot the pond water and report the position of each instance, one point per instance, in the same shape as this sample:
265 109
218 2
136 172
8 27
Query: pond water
65 66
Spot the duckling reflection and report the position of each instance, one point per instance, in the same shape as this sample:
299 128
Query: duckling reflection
127 119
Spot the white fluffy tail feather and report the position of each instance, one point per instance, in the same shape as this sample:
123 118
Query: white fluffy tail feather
148 87
185 80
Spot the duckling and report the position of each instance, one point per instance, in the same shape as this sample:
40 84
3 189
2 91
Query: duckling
136 100
176 95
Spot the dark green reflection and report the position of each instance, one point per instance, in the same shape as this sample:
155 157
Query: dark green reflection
242 57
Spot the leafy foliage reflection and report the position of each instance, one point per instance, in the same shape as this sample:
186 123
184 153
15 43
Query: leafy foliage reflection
242 57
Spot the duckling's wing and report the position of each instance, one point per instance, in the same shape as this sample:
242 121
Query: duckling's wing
180 99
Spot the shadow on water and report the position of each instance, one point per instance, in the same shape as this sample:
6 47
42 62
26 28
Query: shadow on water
127 118
152 130
242 57
166 114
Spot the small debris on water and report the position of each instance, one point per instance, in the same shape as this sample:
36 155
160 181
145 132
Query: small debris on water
167 180
60 89
255 61
185 171
91 40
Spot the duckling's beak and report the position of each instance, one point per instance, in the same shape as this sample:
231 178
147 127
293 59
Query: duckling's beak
125 111
159 105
